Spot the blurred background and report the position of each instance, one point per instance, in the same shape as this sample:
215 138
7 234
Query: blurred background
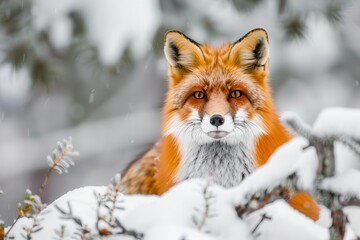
95 70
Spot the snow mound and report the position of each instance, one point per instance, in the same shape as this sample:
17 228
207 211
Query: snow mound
199 209
179 213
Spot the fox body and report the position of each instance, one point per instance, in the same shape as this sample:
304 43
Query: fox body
218 117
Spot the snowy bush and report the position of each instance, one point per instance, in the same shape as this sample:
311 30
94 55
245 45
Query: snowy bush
256 209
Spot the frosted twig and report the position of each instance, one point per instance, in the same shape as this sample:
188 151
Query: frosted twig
113 197
115 226
206 214
60 160
109 201
34 228
351 143
62 233
299 128
83 231
33 207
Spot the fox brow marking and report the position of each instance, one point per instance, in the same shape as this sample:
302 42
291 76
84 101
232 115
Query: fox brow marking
180 92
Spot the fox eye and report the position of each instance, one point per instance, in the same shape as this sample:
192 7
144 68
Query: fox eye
236 94
199 95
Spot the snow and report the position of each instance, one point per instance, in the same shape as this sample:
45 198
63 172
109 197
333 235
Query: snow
199 209
345 158
107 24
61 32
178 207
324 217
171 216
285 223
344 184
353 215
82 202
338 121
281 164
84 206
306 169
173 232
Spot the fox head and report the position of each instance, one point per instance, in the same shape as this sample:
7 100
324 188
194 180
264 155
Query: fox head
217 93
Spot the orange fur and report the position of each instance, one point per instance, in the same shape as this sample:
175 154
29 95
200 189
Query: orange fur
305 204
216 71
167 169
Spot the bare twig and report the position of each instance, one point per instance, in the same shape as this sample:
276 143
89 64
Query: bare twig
256 203
263 218
62 233
12 226
350 201
127 232
44 183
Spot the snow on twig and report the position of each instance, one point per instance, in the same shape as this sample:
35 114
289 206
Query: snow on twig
208 197
82 230
60 160
106 224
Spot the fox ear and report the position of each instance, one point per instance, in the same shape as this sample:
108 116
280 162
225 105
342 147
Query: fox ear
181 51
251 51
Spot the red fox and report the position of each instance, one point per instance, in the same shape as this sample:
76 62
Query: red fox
218 118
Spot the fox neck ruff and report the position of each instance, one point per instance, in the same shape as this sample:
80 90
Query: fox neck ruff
225 164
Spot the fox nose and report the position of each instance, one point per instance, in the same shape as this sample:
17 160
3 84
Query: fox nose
217 120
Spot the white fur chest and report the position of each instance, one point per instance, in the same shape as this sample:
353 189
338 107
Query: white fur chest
227 164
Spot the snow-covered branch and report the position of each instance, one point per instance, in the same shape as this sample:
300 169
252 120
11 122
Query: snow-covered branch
335 193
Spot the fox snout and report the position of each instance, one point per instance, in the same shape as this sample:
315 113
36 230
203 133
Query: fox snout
217 120
217 125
